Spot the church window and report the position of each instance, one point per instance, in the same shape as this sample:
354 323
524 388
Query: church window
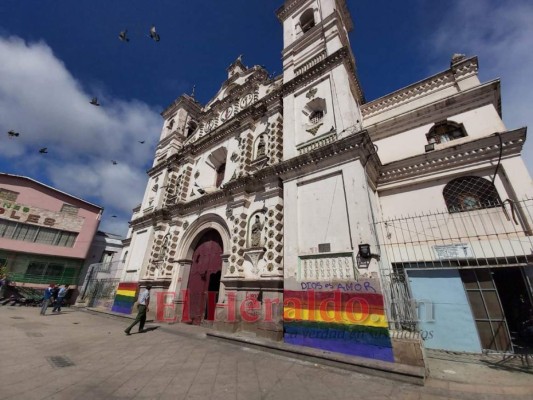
307 20
191 128
316 116
445 131
315 110
221 170
470 193
217 161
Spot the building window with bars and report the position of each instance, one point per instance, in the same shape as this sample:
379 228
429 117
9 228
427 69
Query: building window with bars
316 116
314 112
445 131
470 193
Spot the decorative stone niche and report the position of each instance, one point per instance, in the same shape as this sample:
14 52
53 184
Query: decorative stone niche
255 231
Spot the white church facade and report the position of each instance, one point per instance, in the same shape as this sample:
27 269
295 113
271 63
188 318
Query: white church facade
293 209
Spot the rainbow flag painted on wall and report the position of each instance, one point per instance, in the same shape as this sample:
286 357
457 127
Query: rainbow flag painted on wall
351 323
125 297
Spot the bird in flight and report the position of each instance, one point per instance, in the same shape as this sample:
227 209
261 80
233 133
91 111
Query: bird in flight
123 36
94 102
44 150
13 134
142 141
114 162
113 216
153 34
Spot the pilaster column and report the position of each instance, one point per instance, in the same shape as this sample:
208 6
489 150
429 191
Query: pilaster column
180 285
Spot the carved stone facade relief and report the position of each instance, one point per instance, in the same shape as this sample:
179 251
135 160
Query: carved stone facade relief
274 239
261 147
327 268
256 232
238 240
162 256
275 140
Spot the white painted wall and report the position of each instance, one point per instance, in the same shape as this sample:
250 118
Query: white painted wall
327 205
342 111
478 123
424 196
137 255
323 215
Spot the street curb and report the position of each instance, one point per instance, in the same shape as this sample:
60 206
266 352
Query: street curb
111 313
399 372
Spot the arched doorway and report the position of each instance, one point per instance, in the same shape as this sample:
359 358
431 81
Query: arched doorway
204 277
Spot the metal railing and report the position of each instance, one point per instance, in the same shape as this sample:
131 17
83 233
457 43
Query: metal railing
497 235
66 278
106 267
487 237
99 290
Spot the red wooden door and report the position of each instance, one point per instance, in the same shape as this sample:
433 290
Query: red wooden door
204 277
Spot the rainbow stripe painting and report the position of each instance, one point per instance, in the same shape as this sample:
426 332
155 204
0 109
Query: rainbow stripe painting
342 317
125 297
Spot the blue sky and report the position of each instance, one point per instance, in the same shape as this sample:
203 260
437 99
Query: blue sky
56 54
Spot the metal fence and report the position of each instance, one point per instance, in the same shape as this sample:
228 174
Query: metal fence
497 235
69 276
99 291
107 267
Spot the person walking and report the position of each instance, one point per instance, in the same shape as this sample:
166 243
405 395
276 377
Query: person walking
55 292
3 284
142 309
46 298
60 297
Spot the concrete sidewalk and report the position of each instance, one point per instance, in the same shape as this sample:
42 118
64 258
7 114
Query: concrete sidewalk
95 360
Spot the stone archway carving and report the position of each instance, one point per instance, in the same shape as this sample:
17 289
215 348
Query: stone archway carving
189 242
194 232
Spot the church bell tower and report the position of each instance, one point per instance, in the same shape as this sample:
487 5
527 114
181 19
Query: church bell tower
322 94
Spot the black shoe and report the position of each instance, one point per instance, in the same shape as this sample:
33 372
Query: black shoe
127 332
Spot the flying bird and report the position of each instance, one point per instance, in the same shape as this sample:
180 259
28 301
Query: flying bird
153 34
94 102
12 134
114 162
123 36
142 141
113 216
44 150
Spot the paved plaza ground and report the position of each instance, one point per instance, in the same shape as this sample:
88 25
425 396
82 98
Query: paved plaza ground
83 355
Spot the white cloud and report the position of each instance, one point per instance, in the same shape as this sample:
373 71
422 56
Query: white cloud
501 34
41 99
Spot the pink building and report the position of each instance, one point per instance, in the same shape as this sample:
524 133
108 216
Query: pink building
45 234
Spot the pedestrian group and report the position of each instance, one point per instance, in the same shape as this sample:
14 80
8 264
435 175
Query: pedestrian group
53 295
